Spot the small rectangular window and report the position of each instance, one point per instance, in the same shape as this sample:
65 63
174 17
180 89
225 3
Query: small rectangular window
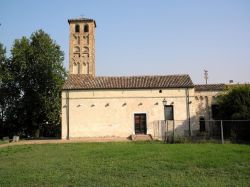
169 112
215 111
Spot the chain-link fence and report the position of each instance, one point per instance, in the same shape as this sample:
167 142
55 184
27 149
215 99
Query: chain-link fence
178 130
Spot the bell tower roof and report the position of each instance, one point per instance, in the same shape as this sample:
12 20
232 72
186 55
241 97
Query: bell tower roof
74 20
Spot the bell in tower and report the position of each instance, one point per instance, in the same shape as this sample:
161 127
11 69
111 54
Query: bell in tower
82 46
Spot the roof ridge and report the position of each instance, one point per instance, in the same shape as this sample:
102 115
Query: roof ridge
79 81
142 76
209 87
209 84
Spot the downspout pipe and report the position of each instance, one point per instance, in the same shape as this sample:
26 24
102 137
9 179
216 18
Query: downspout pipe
67 113
188 111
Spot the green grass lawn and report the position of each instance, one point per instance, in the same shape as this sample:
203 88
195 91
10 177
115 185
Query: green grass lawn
3 142
125 164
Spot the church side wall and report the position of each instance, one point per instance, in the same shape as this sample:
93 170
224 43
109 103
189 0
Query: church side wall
201 106
107 113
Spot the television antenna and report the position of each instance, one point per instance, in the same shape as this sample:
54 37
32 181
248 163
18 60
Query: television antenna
206 75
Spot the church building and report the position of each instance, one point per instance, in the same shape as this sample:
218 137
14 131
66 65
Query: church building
127 106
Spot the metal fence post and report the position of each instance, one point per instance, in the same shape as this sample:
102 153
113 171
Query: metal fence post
173 129
221 130
158 130
165 132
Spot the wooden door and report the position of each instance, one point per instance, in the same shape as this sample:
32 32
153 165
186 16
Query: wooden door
140 124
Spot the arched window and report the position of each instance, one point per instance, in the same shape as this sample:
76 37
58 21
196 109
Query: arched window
87 40
86 28
87 68
75 68
77 28
78 68
78 40
85 49
85 57
76 49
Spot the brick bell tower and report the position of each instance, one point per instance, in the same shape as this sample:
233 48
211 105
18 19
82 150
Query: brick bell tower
82 46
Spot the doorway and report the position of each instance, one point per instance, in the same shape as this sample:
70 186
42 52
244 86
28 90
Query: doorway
202 124
140 122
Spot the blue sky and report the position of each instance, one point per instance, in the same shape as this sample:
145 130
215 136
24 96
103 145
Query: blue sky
146 37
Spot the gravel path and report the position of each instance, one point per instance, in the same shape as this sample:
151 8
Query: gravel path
28 142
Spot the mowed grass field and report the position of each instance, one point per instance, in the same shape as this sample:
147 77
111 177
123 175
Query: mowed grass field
2 142
125 164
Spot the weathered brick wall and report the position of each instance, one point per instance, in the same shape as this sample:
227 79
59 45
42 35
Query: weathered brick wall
85 41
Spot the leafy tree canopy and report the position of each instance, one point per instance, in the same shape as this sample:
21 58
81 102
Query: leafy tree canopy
37 76
234 104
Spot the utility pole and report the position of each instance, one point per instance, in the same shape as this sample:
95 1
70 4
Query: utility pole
206 75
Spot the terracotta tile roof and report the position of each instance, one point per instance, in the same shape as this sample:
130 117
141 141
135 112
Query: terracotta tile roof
209 87
88 82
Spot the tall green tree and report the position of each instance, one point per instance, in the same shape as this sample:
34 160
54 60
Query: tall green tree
36 68
2 90
8 94
234 104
